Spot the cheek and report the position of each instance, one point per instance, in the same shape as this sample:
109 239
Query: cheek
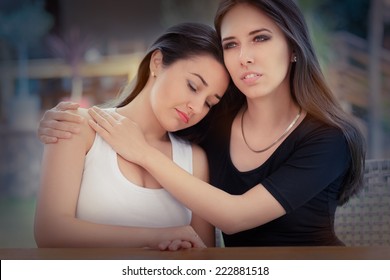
196 119
283 67
283 58
161 91
228 60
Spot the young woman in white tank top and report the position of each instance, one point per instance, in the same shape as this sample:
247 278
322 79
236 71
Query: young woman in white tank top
91 197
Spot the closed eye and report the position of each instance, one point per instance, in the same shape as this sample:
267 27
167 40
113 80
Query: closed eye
191 86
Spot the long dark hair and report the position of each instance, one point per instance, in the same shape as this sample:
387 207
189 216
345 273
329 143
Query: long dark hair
179 42
307 83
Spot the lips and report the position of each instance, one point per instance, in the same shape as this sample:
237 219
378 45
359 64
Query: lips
183 116
250 76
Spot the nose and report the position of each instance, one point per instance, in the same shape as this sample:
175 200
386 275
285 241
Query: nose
196 105
245 57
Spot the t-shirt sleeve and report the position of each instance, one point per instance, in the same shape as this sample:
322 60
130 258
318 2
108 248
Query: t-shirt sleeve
318 160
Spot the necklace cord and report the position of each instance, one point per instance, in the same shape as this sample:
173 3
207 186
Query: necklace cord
277 140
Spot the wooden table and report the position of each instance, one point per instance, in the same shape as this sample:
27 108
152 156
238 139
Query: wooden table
240 253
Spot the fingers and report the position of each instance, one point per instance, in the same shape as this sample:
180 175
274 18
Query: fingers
49 134
62 116
99 129
164 245
177 244
47 139
174 245
186 245
57 123
67 105
99 123
104 119
117 116
57 129
51 131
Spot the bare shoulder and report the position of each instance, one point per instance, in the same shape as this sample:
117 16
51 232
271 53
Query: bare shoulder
199 162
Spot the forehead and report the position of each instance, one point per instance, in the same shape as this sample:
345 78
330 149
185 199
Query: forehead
246 18
203 63
211 70
198 61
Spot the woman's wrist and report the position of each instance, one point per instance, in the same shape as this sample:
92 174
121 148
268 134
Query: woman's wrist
159 235
147 156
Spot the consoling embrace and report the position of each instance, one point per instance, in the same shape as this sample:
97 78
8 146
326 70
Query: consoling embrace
235 129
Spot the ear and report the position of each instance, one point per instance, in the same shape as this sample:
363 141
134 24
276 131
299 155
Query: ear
156 61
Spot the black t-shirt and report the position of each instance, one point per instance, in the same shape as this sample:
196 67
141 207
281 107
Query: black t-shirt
304 175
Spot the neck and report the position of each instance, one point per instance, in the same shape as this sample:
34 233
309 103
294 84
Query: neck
273 109
268 114
277 140
140 111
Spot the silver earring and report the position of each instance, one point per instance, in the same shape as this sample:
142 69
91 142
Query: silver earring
295 58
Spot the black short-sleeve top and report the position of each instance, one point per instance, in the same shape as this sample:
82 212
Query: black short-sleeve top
304 174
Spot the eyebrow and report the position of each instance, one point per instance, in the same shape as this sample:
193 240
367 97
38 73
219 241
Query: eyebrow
201 78
250 33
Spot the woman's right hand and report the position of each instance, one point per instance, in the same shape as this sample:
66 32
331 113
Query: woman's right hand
181 238
58 123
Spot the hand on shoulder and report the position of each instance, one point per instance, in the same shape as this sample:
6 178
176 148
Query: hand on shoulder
86 132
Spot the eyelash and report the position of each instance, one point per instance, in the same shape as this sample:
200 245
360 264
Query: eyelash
261 38
228 45
256 39
193 89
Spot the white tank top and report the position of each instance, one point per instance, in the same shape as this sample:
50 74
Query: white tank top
107 197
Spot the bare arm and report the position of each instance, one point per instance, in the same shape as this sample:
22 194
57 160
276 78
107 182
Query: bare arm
230 213
200 170
56 224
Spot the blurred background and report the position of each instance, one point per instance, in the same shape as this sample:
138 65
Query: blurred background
87 50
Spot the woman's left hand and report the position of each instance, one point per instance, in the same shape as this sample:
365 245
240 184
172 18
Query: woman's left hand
121 133
175 245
